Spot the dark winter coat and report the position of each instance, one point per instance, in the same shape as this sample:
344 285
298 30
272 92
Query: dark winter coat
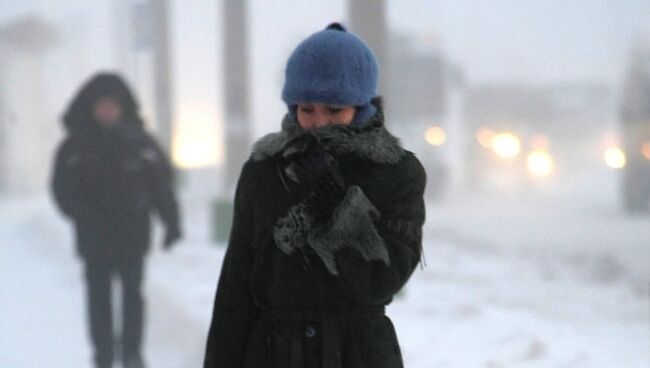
108 180
296 293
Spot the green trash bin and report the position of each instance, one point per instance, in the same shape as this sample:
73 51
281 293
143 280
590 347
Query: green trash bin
222 211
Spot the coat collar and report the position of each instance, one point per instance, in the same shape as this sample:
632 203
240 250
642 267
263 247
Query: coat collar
371 142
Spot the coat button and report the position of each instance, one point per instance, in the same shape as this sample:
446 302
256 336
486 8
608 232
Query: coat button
310 331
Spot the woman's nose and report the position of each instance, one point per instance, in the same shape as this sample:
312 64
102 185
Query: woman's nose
321 119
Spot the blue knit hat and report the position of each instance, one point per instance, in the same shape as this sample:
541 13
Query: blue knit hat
333 67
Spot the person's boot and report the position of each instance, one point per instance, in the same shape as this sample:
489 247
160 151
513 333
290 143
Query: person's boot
103 364
134 362
103 359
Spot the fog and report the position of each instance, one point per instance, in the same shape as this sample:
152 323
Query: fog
530 117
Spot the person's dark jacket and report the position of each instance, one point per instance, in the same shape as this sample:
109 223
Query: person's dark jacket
298 292
107 181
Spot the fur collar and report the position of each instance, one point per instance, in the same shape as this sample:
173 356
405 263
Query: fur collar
371 142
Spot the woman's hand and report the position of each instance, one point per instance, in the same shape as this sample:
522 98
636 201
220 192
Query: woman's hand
311 165
308 160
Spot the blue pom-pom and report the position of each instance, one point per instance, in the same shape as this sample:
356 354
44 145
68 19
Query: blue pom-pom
336 26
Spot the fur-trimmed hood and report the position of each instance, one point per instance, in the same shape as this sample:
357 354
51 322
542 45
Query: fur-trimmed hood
371 141
79 115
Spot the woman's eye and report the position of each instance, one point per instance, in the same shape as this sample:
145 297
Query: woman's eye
335 110
306 109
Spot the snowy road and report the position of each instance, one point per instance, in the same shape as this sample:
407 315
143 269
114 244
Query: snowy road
488 297
589 230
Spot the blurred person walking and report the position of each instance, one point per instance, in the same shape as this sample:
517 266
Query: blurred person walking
327 224
108 175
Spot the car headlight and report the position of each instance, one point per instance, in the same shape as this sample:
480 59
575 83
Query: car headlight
614 158
540 163
506 145
645 150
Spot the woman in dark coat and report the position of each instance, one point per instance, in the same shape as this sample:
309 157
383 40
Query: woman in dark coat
108 175
327 224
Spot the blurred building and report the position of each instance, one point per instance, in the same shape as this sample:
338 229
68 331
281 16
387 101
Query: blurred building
25 136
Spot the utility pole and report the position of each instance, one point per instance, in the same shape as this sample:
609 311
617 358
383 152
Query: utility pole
4 131
122 30
237 118
162 72
141 43
367 18
236 82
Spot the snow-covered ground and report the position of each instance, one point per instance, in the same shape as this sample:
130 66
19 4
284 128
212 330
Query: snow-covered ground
506 284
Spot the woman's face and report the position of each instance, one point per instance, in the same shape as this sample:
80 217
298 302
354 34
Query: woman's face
107 111
313 115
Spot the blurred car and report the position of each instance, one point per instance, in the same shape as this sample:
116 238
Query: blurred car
526 137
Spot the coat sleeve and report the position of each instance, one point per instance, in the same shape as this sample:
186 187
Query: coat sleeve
66 181
161 185
234 312
383 254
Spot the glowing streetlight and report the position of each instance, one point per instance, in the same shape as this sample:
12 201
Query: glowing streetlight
196 143
614 158
436 136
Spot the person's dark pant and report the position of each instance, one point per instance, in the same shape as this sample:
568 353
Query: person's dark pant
99 275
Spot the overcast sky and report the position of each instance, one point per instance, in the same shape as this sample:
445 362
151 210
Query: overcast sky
496 39
491 41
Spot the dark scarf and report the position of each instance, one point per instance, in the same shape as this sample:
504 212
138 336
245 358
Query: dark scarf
371 141
353 217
